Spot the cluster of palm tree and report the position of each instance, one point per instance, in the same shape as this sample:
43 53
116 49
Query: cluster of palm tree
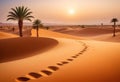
21 13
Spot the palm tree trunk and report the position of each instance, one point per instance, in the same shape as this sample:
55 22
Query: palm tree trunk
114 29
37 32
20 24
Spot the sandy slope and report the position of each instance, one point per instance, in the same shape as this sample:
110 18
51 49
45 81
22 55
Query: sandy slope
107 37
46 33
6 35
99 63
12 70
18 48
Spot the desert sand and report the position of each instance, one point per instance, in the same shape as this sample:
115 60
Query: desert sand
4 35
70 59
14 48
94 33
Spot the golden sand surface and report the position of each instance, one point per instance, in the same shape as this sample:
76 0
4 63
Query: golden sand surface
73 59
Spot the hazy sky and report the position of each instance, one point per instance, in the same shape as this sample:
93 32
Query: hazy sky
66 11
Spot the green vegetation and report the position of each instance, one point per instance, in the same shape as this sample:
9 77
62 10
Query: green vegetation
20 13
36 25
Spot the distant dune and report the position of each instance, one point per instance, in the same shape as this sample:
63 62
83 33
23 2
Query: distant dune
85 32
95 33
46 33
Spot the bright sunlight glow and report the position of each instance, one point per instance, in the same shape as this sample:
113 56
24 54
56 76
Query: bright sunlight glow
71 11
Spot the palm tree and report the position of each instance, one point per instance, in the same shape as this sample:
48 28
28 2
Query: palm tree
114 20
36 24
20 13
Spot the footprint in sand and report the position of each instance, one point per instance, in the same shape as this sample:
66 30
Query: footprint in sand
22 79
77 54
80 52
70 59
51 68
35 75
83 50
60 64
46 72
74 56
64 62
54 68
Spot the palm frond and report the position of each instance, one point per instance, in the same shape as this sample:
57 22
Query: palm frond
114 20
37 23
27 14
26 10
28 19
14 11
11 19
20 13
12 14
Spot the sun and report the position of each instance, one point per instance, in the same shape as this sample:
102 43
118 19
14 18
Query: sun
71 11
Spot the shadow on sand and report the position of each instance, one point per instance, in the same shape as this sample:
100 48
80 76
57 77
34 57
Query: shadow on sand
19 48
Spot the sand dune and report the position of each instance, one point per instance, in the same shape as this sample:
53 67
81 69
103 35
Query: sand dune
7 35
87 31
107 37
40 60
18 48
46 33
72 60
100 63
95 33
